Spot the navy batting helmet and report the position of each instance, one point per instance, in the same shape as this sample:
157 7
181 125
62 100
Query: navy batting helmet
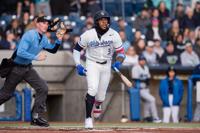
101 14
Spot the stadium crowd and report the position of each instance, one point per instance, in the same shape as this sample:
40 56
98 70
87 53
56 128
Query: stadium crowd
164 36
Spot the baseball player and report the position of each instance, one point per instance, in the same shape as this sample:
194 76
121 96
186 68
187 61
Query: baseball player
100 43
30 48
141 73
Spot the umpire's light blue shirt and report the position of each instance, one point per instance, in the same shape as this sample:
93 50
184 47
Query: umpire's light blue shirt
29 47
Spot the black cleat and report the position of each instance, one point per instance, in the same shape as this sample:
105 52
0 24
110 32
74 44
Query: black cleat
39 122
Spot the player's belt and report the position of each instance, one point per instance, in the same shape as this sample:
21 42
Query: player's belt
104 62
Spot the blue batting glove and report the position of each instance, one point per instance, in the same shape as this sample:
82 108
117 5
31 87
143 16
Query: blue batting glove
117 65
81 70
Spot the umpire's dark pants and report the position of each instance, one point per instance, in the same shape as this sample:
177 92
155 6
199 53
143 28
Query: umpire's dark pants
28 74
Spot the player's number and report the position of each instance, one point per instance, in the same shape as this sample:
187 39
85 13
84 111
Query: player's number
109 51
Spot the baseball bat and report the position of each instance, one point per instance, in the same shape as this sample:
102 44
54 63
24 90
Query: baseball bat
124 78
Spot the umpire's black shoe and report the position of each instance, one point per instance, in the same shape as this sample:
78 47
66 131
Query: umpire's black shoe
39 122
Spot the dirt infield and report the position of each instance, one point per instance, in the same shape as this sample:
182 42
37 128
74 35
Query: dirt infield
101 127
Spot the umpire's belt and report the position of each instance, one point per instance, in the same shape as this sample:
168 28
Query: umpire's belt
104 62
23 65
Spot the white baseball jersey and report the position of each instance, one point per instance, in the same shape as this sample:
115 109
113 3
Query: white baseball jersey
100 49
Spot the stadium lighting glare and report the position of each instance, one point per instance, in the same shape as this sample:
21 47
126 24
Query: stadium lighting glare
116 18
132 18
65 17
3 22
83 18
14 16
133 30
143 36
31 17
73 24
48 17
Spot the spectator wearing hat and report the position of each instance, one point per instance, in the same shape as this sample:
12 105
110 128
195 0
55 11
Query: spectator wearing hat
141 73
170 57
189 57
171 94
150 55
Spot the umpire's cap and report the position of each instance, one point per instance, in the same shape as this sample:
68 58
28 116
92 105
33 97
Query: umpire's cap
101 14
43 19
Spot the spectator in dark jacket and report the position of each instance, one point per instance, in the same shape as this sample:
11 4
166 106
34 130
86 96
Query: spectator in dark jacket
171 94
197 14
155 31
170 57
188 21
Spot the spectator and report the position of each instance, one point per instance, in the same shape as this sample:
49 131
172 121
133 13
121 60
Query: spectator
67 42
189 57
126 44
42 7
15 28
149 54
25 21
174 31
142 21
197 14
137 36
171 94
32 24
25 6
156 14
186 34
89 23
179 14
170 57
155 31
179 45
93 6
163 11
131 57
9 42
122 25
188 21
197 32
192 38
197 47
140 46
141 73
158 49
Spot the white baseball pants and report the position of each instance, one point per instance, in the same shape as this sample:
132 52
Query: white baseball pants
171 111
98 78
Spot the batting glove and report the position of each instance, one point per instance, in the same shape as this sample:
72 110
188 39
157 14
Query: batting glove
81 70
117 65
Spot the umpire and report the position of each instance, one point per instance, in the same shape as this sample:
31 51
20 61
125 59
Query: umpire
30 48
